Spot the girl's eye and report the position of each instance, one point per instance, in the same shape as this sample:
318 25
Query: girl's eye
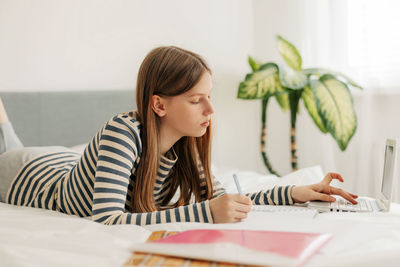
197 101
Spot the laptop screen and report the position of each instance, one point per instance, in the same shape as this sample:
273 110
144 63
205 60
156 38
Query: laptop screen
388 170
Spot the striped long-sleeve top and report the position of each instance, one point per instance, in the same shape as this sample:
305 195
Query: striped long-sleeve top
100 182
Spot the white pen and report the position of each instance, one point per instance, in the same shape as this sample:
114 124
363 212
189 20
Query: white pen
237 184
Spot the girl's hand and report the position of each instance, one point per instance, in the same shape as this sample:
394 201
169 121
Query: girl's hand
321 191
230 208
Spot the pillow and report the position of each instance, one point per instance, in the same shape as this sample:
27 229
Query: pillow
79 148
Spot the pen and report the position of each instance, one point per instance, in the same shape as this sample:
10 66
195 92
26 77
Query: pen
240 193
237 184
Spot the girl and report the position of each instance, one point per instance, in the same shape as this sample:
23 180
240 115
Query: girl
132 168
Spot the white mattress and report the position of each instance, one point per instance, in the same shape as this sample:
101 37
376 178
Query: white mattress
36 237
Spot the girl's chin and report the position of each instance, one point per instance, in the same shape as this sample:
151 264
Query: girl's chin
198 134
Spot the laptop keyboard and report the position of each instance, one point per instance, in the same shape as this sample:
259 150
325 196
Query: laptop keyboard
363 205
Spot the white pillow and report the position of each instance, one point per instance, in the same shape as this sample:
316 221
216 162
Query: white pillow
251 182
79 148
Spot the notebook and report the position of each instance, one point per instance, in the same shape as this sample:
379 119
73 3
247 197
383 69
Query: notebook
151 260
272 248
300 211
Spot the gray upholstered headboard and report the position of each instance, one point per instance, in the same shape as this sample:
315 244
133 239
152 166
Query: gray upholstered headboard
63 118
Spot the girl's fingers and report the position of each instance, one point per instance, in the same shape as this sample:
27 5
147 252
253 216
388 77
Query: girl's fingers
241 199
354 196
239 215
344 194
242 207
323 197
332 175
348 197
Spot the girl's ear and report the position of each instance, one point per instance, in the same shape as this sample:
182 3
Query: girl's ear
158 105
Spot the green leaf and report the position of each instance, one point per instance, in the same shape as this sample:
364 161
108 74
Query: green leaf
311 106
253 64
261 83
283 101
292 79
289 53
335 106
320 71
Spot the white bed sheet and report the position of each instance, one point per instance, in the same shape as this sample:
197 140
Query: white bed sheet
36 237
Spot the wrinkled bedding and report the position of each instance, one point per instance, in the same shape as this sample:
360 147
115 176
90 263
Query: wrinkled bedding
37 237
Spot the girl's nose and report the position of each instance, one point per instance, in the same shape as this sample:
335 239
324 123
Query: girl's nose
210 109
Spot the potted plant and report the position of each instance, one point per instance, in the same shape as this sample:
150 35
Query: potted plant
325 94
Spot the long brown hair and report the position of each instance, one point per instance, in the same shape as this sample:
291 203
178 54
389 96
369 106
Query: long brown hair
169 71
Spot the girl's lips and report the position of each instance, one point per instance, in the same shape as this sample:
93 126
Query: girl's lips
205 123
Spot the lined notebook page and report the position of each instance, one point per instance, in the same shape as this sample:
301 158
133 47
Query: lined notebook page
302 212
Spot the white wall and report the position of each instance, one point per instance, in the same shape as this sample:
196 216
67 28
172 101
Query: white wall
72 45
75 45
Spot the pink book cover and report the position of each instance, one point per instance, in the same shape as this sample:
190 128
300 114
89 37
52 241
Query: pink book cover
295 245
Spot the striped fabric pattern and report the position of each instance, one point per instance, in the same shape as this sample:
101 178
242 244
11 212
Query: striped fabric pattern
100 182
278 195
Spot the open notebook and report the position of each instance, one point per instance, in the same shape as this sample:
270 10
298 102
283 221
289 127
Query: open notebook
296 211
265 248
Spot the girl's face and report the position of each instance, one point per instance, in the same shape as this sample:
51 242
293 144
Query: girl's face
189 114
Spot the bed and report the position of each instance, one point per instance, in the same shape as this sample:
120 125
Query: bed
37 237
66 118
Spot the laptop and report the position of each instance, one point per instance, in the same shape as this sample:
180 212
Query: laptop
382 203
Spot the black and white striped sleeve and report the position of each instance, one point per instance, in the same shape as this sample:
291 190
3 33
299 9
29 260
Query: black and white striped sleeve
278 195
218 189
